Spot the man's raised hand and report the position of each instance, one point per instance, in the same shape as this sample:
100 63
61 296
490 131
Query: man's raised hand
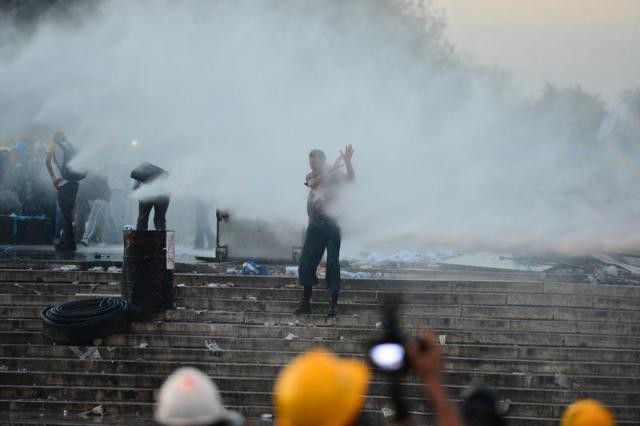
347 154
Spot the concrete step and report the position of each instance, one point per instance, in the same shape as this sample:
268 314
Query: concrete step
97 379
371 310
32 345
521 335
362 295
251 303
22 318
332 332
441 321
110 396
25 419
102 390
485 363
401 272
124 414
471 284
320 307
622 412
240 400
64 286
25 340
109 259
377 387
453 363
70 287
211 365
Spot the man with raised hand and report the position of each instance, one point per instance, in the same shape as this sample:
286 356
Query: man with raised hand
66 182
323 232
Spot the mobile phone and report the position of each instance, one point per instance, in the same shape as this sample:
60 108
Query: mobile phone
389 354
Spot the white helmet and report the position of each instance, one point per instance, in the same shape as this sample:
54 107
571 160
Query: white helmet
189 397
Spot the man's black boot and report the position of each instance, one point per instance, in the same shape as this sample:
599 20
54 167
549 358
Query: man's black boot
333 305
305 303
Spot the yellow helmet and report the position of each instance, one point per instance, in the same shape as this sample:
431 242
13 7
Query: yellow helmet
320 389
587 412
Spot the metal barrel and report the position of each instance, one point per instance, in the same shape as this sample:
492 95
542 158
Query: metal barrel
148 263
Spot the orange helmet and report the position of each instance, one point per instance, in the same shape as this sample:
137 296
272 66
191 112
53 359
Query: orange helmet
320 389
587 412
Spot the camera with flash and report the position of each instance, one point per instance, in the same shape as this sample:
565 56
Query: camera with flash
388 354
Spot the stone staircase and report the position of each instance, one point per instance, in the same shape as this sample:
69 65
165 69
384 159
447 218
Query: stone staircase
540 342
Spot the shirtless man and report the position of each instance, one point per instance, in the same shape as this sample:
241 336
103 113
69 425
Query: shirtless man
65 181
323 233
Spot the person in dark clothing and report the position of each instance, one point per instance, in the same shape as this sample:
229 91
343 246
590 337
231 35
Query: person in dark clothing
9 202
146 173
6 166
323 232
20 182
160 205
30 182
67 194
58 156
480 407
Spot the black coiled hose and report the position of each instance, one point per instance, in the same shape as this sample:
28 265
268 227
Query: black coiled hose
81 322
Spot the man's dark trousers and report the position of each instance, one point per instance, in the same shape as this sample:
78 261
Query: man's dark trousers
160 205
66 199
322 233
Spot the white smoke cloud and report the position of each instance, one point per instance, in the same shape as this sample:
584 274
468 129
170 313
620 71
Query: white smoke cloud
230 97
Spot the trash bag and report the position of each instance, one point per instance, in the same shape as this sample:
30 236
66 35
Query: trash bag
251 267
